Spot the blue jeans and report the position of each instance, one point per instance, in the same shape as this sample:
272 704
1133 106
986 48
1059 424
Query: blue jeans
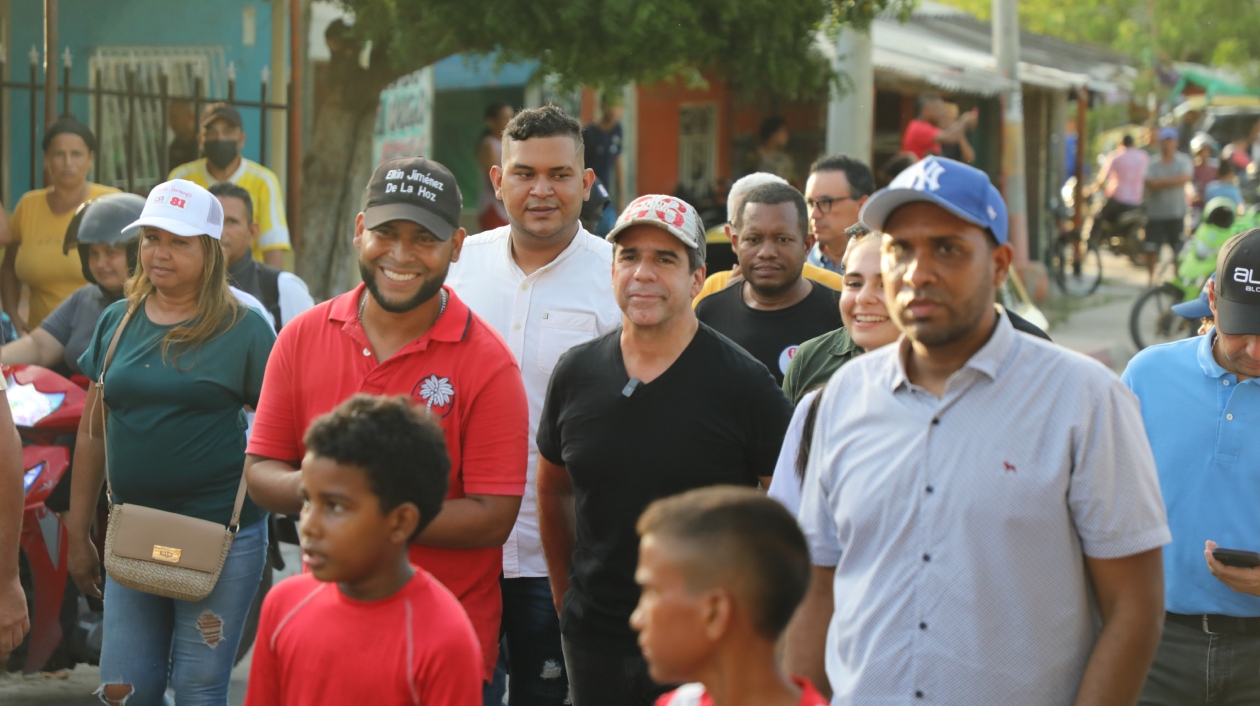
150 640
529 651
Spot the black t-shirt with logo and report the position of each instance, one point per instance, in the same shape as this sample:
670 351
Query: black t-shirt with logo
715 417
772 336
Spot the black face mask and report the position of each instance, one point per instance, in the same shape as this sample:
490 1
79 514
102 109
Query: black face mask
221 153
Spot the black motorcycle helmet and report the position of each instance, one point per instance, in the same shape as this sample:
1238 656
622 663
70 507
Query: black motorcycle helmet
102 220
1220 213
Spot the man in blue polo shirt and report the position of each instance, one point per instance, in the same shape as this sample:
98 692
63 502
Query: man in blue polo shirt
1201 405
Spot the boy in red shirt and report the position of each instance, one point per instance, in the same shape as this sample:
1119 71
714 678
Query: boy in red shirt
365 626
722 570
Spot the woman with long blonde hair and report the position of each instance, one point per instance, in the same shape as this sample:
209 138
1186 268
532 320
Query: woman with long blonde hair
188 361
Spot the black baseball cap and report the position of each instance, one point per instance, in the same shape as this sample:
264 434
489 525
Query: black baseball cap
1238 285
414 189
216 111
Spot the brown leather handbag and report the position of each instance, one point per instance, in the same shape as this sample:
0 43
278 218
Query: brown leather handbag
159 552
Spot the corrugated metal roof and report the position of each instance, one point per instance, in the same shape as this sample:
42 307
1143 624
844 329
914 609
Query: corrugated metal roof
952 51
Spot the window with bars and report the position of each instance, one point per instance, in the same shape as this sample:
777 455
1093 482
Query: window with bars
142 166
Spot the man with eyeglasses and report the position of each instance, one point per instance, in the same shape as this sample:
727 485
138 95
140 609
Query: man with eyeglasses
837 187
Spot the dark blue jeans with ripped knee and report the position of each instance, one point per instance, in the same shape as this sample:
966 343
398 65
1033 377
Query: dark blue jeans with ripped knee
150 641
530 655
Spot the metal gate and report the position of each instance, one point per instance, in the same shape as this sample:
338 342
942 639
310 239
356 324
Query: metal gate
129 93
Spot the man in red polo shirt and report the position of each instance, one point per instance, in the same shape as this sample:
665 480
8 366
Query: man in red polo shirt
403 333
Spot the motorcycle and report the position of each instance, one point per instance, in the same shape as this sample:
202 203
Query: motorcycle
1122 234
65 626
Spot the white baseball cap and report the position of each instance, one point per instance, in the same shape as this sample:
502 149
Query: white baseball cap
670 213
183 208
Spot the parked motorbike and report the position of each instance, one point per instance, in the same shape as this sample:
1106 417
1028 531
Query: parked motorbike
65 626
1122 235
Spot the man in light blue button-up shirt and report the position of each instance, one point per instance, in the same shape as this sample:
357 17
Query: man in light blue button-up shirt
1201 407
982 507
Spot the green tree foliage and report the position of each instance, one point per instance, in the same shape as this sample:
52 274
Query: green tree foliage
759 47
1217 32
756 45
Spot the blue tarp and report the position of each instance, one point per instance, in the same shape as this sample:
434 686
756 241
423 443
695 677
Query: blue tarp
466 71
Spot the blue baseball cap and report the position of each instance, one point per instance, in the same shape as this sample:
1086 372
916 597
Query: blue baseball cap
1168 133
958 188
1197 308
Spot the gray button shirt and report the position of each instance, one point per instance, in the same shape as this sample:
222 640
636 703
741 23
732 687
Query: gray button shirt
958 527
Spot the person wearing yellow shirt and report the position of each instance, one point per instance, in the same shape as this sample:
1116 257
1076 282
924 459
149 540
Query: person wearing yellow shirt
718 281
33 254
222 137
721 235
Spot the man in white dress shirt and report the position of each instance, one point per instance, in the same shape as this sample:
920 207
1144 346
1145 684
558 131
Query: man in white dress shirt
543 283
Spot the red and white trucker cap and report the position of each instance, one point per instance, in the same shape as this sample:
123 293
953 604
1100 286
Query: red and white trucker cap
183 208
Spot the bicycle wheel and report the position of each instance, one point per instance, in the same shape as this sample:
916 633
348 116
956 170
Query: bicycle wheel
1076 278
1153 321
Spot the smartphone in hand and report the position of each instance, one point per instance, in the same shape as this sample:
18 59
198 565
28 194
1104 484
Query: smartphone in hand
1239 558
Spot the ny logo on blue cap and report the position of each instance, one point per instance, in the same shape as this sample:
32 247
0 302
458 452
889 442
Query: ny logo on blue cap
927 177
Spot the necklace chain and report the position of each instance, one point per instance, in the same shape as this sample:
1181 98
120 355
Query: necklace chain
363 304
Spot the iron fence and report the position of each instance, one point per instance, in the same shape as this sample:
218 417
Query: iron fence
142 160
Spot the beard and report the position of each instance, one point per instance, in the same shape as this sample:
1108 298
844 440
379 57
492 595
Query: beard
427 291
962 318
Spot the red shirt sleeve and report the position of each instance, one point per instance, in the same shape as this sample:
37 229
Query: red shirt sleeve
920 138
495 448
274 433
454 674
264 678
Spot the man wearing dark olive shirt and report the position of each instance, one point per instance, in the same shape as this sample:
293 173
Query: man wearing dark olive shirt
775 309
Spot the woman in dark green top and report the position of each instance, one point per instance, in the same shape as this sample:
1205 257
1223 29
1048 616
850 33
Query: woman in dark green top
867 326
189 361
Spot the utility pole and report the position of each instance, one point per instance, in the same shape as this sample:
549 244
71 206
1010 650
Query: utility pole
50 61
851 113
1006 53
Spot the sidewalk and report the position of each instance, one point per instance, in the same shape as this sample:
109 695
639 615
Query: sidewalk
75 687
1098 325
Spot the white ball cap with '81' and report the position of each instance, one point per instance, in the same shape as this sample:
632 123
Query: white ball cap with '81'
183 208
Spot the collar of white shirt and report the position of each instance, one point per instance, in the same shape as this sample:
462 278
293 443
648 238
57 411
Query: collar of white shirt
988 360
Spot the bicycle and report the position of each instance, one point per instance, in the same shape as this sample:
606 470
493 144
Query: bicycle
1074 263
1152 319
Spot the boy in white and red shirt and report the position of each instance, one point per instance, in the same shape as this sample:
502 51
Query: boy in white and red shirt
722 569
365 626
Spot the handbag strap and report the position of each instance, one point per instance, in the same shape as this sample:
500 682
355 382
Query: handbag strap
100 399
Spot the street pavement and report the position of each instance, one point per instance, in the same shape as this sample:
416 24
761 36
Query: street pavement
74 687
1097 326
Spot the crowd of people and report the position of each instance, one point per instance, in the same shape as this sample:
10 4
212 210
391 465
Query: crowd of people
539 466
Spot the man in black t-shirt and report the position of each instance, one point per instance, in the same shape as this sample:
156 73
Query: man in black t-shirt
603 141
662 405
775 309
